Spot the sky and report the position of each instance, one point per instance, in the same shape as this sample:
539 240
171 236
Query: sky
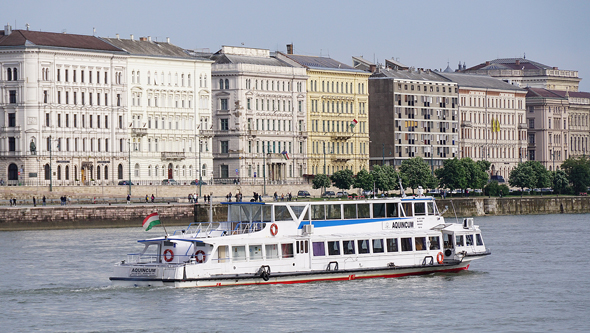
423 34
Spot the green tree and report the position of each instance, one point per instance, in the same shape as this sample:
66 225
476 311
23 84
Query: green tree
321 181
559 181
492 189
364 180
523 176
416 172
578 173
385 177
475 173
543 175
343 179
452 175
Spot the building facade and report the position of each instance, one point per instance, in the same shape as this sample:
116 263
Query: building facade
527 73
414 113
338 114
259 117
62 98
169 112
492 120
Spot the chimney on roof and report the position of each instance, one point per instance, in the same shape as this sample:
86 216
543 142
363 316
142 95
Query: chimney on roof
487 63
149 38
28 26
143 39
117 36
372 68
132 37
555 68
168 40
517 61
289 48
7 30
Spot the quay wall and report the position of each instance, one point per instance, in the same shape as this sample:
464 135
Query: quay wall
180 214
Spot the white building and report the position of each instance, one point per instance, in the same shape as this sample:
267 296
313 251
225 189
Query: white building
169 114
63 93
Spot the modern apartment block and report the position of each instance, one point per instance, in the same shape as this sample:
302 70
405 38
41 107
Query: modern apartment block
492 120
413 113
527 73
259 117
338 114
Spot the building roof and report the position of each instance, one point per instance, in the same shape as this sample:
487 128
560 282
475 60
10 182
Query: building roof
147 47
510 63
575 94
542 92
479 81
415 75
52 39
222 58
321 63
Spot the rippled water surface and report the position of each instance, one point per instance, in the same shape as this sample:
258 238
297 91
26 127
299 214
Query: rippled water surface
537 279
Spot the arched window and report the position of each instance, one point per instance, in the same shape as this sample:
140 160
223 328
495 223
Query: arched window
137 170
226 84
8 74
182 80
201 81
98 172
220 83
106 172
46 169
189 80
156 172
149 78
67 174
204 170
59 172
120 171
183 170
13 171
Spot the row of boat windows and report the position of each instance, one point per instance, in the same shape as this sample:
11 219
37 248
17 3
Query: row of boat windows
246 213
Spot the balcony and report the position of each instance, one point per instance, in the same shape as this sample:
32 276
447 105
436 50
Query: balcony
466 124
172 156
340 136
523 126
206 134
139 131
340 157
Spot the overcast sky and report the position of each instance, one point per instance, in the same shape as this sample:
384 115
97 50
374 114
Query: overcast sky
424 34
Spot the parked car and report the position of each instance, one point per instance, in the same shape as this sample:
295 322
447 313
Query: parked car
367 193
342 194
197 182
169 182
125 182
328 194
303 194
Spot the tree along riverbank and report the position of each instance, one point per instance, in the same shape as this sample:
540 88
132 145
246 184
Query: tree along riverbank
181 214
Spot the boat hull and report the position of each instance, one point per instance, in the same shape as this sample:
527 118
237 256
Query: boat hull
290 278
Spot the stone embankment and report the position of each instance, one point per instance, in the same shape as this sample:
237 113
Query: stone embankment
175 214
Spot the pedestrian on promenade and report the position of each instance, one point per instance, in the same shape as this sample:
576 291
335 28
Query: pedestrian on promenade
34 202
146 198
153 198
128 198
196 197
190 198
43 200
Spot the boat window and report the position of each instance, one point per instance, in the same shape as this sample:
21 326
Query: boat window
406 244
255 252
378 210
469 240
334 248
459 240
236 214
333 212
350 211
287 250
318 249
363 246
272 251
298 210
256 213
266 213
434 242
364 211
378 246
317 212
420 243
238 253
408 208
392 210
391 244
222 254
430 208
448 241
348 246
478 240
419 208
302 246
282 214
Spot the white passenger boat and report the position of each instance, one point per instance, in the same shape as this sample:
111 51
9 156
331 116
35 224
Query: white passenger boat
296 242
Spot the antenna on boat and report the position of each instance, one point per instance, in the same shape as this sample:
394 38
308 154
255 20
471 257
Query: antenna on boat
401 187
456 218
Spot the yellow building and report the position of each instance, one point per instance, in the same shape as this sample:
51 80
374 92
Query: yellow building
337 114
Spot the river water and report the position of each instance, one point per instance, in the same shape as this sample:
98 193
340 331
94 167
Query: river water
537 279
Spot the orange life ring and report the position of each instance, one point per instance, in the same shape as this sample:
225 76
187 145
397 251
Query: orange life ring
274 229
168 251
203 256
439 258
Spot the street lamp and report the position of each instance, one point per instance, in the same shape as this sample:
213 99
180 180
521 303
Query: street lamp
264 168
50 173
129 141
200 171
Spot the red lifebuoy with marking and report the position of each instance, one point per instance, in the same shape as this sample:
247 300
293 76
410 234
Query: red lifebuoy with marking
168 252
439 258
274 229
203 256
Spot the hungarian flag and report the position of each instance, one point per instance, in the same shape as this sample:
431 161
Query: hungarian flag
285 154
150 221
353 124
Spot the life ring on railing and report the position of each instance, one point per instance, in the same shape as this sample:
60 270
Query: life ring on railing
168 251
203 256
274 229
439 258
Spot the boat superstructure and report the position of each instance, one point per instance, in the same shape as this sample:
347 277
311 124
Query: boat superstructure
294 242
